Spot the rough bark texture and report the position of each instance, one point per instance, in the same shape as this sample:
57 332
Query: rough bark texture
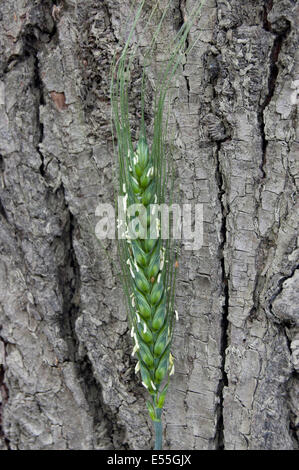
66 376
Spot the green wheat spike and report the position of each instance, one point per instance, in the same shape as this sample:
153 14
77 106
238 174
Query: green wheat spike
148 263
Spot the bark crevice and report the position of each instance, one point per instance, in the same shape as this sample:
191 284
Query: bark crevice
293 415
278 290
40 98
225 293
273 70
279 37
182 5
4 394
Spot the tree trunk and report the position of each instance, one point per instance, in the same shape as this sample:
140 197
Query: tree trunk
66 373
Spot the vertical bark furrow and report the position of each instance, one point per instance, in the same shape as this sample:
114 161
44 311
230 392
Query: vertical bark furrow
225 286
4 394
279 37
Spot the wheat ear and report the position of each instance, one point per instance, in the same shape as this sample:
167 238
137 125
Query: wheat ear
148 263
151 303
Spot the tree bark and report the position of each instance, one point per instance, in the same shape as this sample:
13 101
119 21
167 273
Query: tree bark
66 374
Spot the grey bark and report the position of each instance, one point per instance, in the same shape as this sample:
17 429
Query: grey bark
66 373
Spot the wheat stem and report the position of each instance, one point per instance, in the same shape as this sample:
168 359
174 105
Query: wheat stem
158 430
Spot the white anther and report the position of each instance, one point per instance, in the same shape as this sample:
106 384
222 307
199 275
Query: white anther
130 266
135 338
132 273
135 349
153 385
150 171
